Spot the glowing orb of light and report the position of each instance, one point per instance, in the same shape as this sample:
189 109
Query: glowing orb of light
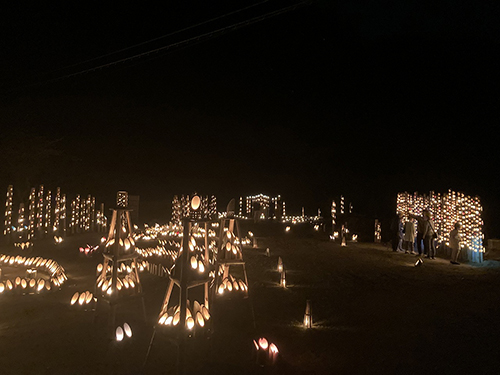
119 334
263 343
195 202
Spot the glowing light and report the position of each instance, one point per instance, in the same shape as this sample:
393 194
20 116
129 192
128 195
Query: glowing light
119 334
127 329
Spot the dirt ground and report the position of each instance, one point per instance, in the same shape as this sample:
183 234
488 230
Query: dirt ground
373 313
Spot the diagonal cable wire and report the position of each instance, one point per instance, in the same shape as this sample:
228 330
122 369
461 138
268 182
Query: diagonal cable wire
162 37
180 44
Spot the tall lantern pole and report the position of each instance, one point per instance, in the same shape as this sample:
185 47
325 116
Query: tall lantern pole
8 213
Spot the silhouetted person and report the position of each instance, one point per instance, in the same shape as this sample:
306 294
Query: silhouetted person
429 235
396 232
409 236
455 244
420 231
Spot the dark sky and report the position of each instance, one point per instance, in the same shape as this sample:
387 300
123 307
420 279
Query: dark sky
358 98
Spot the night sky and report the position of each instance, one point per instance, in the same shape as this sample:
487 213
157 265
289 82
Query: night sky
358 98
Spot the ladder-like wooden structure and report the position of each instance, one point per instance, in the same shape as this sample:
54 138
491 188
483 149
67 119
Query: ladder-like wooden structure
118 280
231 276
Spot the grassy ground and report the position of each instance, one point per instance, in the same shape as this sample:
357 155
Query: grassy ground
373 312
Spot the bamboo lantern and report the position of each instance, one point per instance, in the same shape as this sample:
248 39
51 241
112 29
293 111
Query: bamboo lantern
280 264
308 315
283 280
127 329
119 333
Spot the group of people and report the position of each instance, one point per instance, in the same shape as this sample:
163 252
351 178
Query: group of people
426 234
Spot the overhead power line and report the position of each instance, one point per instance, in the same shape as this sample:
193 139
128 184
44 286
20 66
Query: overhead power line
162 37
180 44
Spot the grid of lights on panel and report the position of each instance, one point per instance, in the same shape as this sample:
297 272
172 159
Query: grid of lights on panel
446 210
47 214
32 282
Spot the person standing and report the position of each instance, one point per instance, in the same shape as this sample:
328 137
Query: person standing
421 223
409 236
455 244
429 235
396 232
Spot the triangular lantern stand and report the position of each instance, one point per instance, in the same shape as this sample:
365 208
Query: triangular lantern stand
181 315
228 281
118 280
189 275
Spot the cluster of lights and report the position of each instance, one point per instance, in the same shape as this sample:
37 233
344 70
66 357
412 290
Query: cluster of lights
378 231
56 273
47 213
231 284
125 332
126 277
446 210
197 315
181 208
159 251
58 239
8 211
31 214
83 298
263 205
230 247
23 245
266 352
88 250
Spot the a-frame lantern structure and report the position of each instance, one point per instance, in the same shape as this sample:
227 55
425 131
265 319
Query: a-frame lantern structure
231 276
118 277
185 309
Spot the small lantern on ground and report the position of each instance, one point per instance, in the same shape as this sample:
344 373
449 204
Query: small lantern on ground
308 315
280 264
282 279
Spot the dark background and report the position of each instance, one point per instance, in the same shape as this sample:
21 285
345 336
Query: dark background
358 98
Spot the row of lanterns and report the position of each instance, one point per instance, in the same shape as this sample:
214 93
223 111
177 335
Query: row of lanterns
83 298
56 272
25 285
198 315
231 284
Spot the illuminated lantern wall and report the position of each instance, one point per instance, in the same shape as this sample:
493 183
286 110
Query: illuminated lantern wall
446 210
48 210
39 209
8 211
20 219
57 211
32 214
